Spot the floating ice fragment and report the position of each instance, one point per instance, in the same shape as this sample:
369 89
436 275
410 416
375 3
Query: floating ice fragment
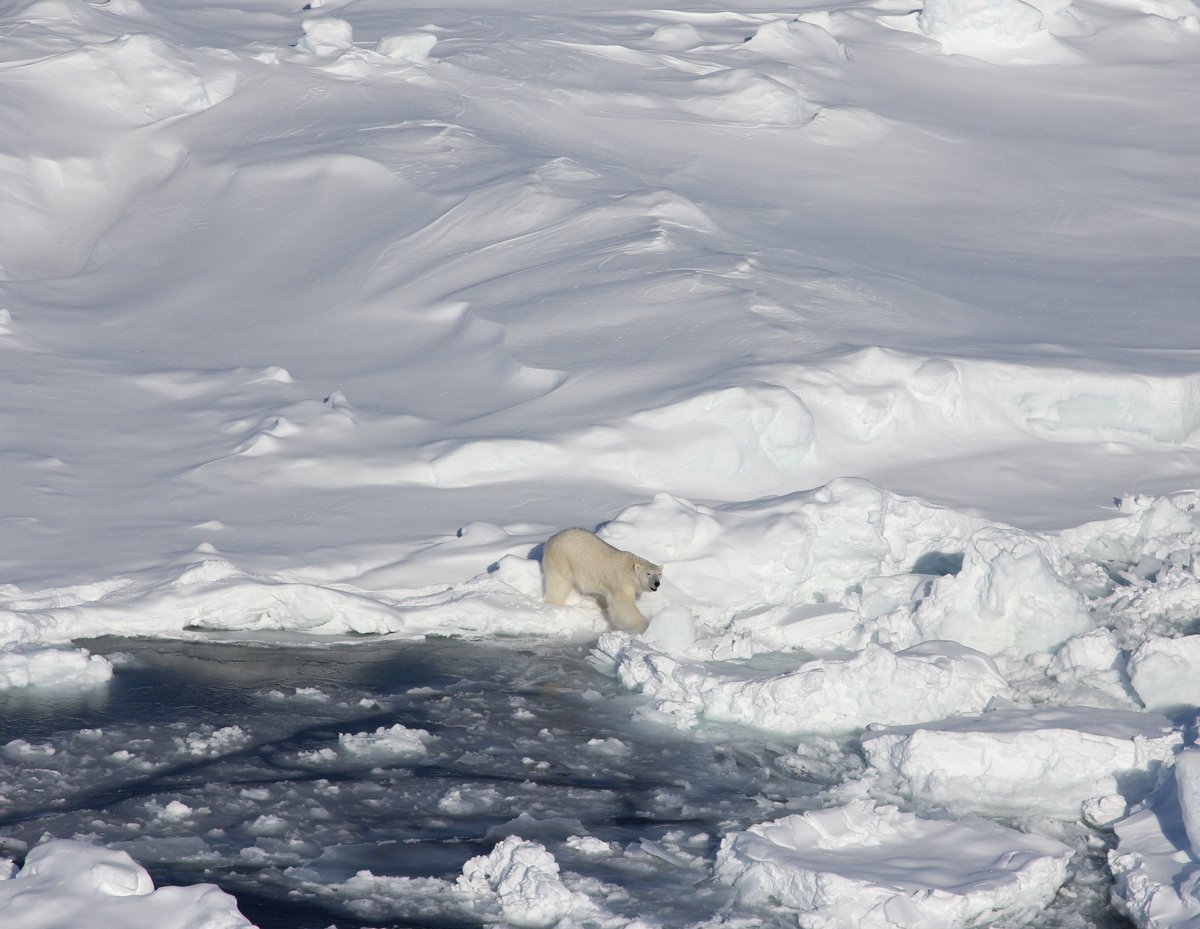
383 746
588 846
523 878
468 801
52 667
20 749
213 742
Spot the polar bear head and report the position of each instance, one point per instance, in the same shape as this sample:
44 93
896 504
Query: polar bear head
646 574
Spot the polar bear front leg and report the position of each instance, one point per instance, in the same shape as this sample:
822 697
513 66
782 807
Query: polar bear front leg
624 614
558 587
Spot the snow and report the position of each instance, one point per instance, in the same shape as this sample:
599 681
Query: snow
873 323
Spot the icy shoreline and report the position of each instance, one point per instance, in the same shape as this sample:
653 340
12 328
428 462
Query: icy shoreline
1031 722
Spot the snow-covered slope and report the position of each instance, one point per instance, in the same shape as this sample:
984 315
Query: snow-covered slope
875 323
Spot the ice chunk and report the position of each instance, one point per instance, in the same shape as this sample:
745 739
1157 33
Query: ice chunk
1045 762
52 667
1187 776
211 742
1155 868
1005 22
744 95
68 883
383 746
326 36
831 695
1008 597
523 877
414 47
1092 661
877 868
1166 672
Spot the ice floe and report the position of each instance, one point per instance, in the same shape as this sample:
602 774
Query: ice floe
878 867
69 883
821 696
1068 762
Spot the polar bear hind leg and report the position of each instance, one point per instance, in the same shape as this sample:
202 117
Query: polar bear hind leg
558 587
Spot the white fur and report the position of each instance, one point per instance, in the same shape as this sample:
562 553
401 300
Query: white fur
576 559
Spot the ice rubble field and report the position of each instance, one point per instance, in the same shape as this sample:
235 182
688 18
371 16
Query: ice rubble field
873 322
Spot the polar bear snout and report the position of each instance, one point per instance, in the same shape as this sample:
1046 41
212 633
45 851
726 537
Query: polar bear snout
647 576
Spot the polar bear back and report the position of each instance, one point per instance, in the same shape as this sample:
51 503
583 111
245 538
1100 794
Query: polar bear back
594 567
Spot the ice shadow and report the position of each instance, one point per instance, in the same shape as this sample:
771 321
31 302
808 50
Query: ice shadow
941 564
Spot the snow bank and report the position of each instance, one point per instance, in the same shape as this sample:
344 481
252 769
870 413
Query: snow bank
830 695
780 553
956 23
854 580
213 594
1068 762
785 425
69 883
879 868
879 594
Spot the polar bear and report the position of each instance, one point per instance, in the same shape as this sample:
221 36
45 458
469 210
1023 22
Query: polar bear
581 560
